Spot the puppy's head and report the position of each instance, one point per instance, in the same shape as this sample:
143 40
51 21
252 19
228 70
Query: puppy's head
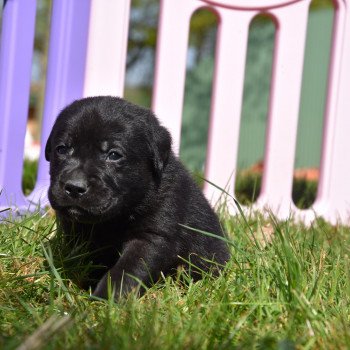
106 157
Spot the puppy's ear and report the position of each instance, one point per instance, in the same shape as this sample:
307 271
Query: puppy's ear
160 145
48 149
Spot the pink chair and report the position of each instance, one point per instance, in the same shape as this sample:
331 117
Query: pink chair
290 16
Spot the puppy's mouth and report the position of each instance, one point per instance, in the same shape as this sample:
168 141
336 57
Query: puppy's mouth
76 211
83 215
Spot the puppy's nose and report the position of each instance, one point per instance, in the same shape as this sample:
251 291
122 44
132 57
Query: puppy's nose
76 187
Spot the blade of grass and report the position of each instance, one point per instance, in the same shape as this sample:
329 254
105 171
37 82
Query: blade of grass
50 327
239 209
49 258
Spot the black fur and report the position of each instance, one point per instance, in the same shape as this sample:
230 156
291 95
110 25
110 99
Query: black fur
130 205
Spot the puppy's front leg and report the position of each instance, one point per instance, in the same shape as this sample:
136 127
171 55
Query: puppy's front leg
141 261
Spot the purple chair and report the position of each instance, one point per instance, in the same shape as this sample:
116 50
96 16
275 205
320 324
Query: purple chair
64 83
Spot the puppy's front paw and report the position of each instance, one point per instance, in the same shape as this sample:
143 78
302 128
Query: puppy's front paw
101 290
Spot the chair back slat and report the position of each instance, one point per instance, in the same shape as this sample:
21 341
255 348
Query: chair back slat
226 102
17 41
277 182
65 75
170 68
107 45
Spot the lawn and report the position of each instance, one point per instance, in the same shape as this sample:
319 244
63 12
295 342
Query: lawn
285 287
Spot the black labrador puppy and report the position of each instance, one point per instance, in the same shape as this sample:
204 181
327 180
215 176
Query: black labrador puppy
117 185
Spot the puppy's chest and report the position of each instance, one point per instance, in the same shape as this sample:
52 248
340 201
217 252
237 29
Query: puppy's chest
108 244
106 248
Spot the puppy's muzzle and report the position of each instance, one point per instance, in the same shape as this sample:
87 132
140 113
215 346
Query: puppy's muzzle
76 188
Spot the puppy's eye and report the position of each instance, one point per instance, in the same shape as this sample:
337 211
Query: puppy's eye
114 155
62 149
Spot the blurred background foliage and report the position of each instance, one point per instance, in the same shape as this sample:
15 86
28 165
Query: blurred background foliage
200 65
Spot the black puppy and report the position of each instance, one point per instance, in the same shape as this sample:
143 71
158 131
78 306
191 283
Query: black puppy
116 184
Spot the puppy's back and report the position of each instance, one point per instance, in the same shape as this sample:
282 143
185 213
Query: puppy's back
192 214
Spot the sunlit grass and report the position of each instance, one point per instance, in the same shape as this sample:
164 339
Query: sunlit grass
287 288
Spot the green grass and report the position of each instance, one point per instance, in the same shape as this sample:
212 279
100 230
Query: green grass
288 292
286 287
